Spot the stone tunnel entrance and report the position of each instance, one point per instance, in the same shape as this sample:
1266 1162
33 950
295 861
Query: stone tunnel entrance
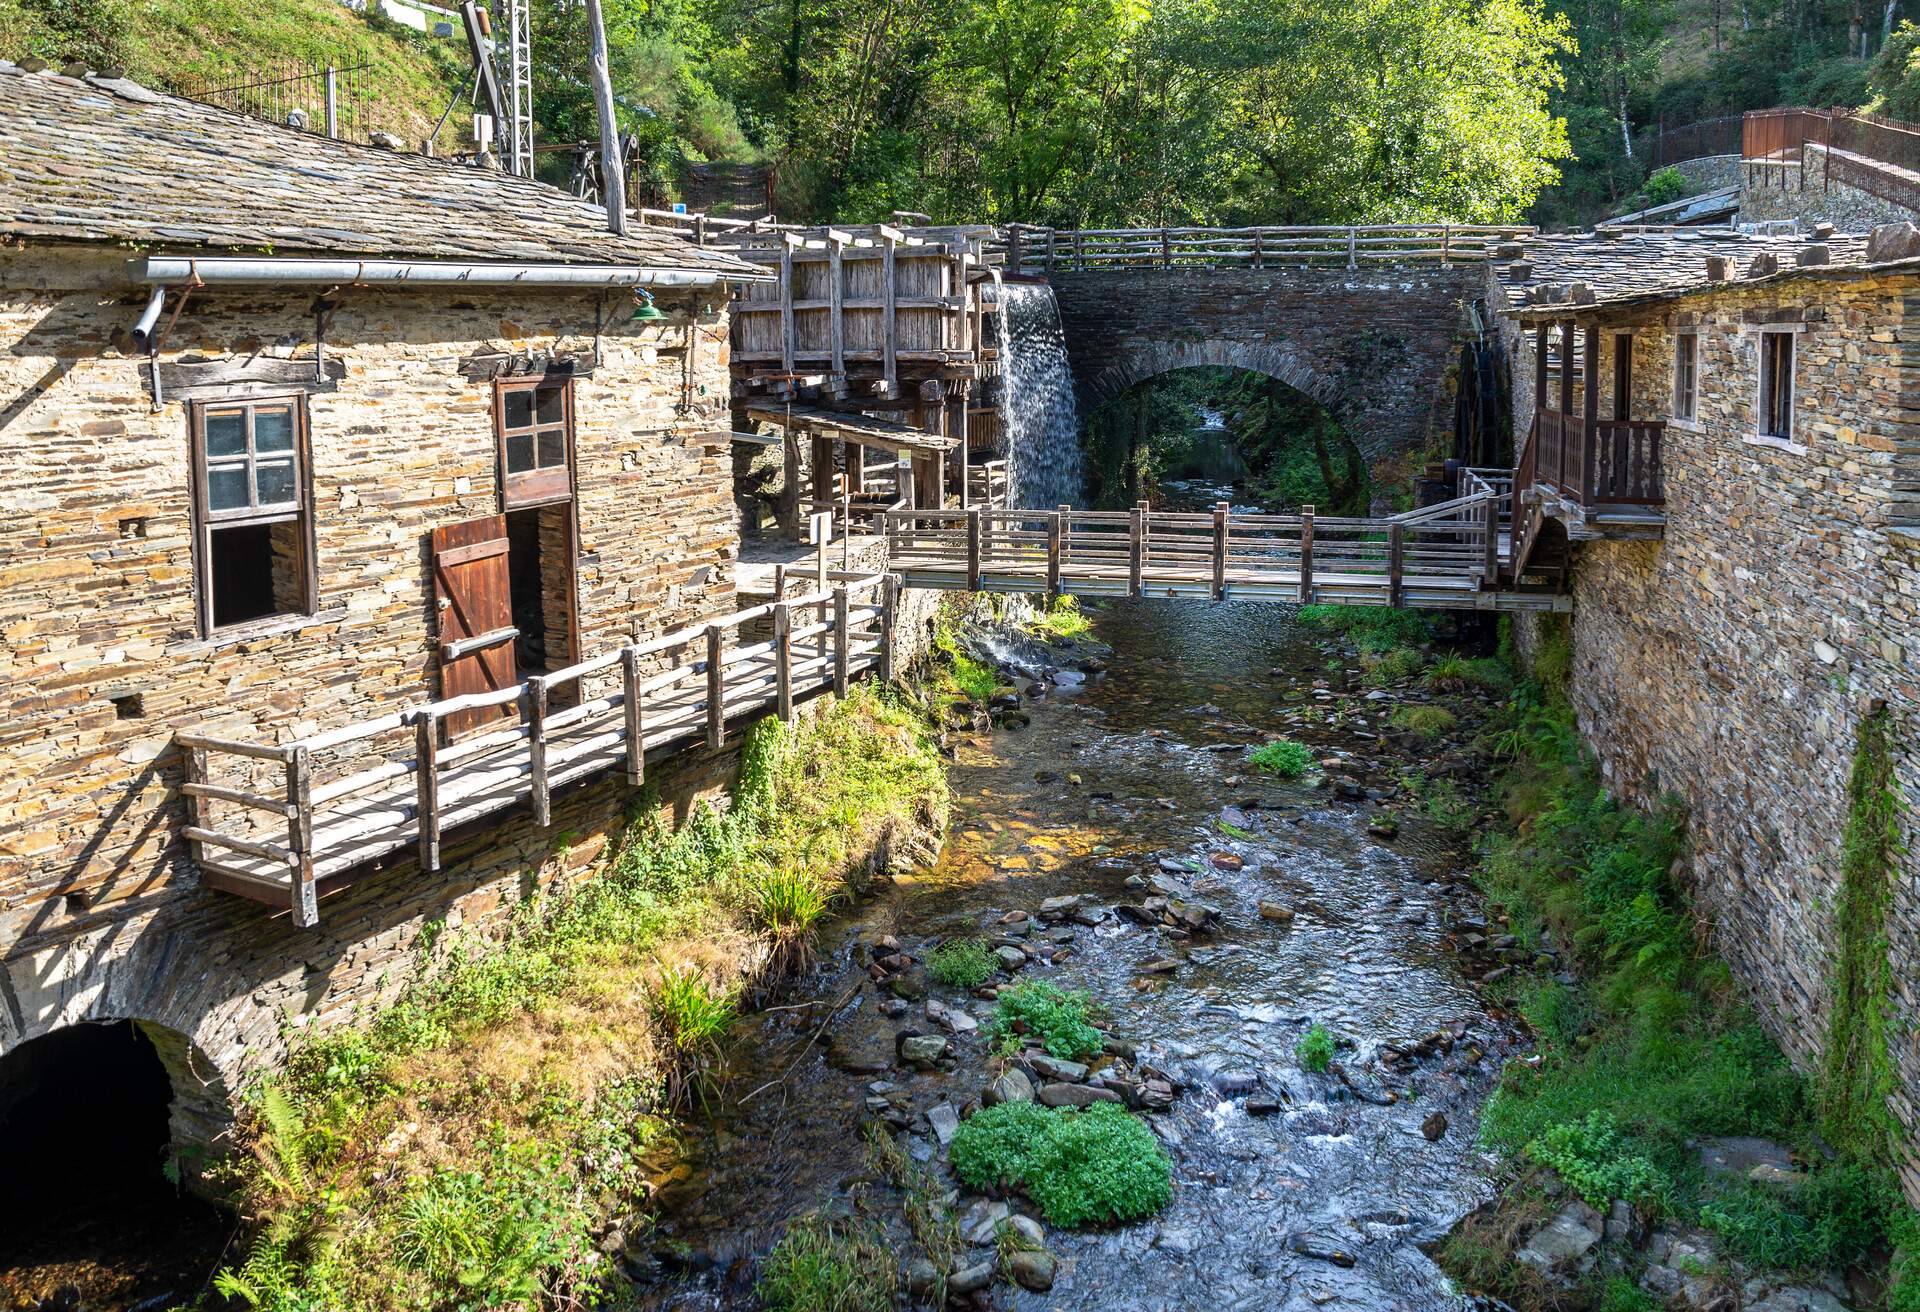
90 1211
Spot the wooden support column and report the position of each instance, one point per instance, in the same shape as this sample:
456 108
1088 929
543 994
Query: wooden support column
888 327
823 489
635 716
537 749
1540 333
426 770
1221 510
1137 550
842 640
716 686
973 550
1566 367
1589 416
306 908
783 659
1490 566
1056 534
889 604
1306 555
1396 561
836 297
786 301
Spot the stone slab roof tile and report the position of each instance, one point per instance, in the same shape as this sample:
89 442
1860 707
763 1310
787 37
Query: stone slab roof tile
1634 262
107 161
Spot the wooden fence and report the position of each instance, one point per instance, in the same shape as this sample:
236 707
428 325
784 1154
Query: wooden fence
283 824
1037 250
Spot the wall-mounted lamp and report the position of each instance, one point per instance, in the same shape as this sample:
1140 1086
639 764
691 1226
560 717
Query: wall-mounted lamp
646 311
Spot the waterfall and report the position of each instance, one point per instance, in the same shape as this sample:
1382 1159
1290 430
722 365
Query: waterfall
1041 430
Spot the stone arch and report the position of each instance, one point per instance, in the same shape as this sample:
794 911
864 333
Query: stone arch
1149 360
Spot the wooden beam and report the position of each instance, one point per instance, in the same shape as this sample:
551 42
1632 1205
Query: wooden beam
1590 415
1056 541
537 750
783 659
786 307
1396 561
836 295
716 686
888 334
213 380
635 715
1137 550
306 908
426 768
1220 515
842 640
973 551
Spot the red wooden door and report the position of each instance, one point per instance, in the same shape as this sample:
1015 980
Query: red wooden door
474 602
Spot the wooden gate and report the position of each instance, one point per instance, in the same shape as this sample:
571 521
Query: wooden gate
473 601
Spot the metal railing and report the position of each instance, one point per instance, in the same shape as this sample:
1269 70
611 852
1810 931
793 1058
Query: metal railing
1040 250
350 795
333 100
1721 135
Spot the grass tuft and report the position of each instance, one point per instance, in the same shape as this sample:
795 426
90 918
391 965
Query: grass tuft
1426 721
1314 1051
962 963
1282 757
823 1266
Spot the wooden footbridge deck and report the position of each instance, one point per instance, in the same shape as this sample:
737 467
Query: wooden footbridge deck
285 823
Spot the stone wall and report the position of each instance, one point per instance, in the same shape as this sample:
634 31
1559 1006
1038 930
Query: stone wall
101 915
1730 664
1373 346
1709 172
1781 193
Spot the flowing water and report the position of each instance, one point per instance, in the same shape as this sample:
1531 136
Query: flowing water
1042 430
1323 1202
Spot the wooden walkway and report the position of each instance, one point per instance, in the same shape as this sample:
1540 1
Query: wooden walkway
285 823
1449 556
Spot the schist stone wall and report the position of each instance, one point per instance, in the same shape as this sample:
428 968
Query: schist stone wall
1730 664
1778 193
101 915
1372 345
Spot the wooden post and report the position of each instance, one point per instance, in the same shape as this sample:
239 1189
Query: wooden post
1540 365
1306 555
1079 249
306 910
1491 565
537 749
1566 367
973 551
1259 249
889 601
194 767
786 305
888 328
1166 250
635 716
426 769
1056 530
1353 248
1446 245
1137 550
1589 414
1396 561
835 299
783 659
842 640
1220 513
716 686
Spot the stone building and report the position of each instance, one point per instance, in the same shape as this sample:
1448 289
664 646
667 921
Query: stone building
296 434
1728 658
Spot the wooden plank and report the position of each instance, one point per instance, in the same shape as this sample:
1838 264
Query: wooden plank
306 909
633 708
453 651
208 743
252 847
475 551
426 778
889 603
1306 555
213 380
1056 529
194 767
537 750
1220 514
1137 550
841 639
973 550
786 308
836 310
889 347
473 597
716 686
783 659
194 789
1590 414
1396 561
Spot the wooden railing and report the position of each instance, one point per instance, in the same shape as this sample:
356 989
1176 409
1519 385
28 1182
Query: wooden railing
1030 249
1445 555
987 484
1595 462
350 795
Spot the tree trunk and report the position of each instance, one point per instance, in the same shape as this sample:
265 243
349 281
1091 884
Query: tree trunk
1620 77
1857 30
613 178
1886 22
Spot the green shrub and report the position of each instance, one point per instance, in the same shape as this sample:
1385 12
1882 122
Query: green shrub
693 1015
1447 673
1315 1049
1595 1161
788 900
1373 629
971 678
1427 721
1063 619
821 1267
1055 1016
1832 1219
962 963
1664 185
489 1235
1399 664
1082 1168
1283 757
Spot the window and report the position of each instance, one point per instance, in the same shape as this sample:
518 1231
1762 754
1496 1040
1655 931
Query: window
254 532
534 418
1686 377
1622 375
1776 385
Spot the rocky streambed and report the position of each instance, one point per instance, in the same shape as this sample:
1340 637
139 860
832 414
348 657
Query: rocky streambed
1118 841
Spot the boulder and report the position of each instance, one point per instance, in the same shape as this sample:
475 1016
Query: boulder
1011 958
1075 1095
1054 1068
1032 1269
923 1050
970 1279
1013 1086
982 1222
1565 1240
1893 241
943 1120
1276 912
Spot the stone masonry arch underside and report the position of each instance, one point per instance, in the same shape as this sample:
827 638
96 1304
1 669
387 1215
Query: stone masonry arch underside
1373 347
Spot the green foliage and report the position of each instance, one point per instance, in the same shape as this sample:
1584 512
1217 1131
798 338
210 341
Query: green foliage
1895 74
1664 186
1396 666
821 1266
1596 1162
491 1234
1041 1009
1314 1051
691 1012
1426 721
788 900
1282 757
1857 1074
962 963
1375 630
1061 620
1836 1217
970 678
1091 1167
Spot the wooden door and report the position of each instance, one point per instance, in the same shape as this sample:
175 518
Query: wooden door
473 601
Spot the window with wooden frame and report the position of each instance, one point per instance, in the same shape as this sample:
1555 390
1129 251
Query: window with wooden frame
1686 377
1776 384
533 418
253 519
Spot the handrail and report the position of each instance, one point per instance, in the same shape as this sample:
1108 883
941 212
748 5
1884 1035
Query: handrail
1594 462
1029 247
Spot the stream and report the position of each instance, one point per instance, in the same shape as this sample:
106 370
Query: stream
1291 1189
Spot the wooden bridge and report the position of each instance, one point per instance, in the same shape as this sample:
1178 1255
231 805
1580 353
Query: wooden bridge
1028 249
285 823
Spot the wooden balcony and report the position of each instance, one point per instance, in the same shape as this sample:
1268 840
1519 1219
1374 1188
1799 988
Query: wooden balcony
1596 462
284 823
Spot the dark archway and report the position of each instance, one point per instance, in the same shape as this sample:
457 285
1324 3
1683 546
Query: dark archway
89 1192
1196 434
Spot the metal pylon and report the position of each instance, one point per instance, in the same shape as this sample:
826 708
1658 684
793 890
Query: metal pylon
519 127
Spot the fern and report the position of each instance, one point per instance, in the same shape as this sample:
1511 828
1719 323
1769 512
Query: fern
285 1139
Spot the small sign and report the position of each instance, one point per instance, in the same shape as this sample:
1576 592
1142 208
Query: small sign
679 207
820 527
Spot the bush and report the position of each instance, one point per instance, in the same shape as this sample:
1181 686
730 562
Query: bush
788 900
693 1015
1397 665
1375 630
1053 1015
1664 186
1594 1160
1427 721
820 1267
1832 1219
1315 1049
962 963
1282 756
1082 1168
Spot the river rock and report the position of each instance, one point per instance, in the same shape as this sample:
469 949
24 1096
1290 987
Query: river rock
1033 1269
1434 1126
1739 1154
923 1050
1074 1095
1262 1104
981 1224
1565 1240
1322 1248
1156 1094
1159 966
1089 916
1226 860
1056 907
1011 958
970 1279
1056 1068
943 1120
923 1278
1175 1239
1012 1086
1029 1230
952 1018
1275 912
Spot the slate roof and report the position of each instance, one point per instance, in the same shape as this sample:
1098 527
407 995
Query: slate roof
1908 266
1633 262
106 160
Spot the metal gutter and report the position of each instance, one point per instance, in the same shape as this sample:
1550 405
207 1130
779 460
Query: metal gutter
168 270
